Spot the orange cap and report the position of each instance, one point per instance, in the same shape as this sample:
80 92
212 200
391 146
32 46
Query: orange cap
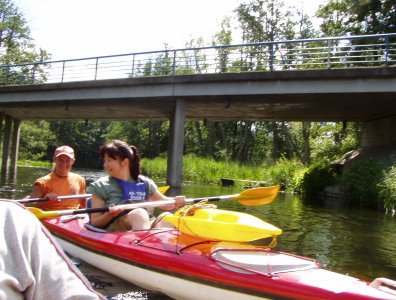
64 150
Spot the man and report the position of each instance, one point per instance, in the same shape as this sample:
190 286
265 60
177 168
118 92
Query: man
60 182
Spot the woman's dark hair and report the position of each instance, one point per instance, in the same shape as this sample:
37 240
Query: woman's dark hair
119 149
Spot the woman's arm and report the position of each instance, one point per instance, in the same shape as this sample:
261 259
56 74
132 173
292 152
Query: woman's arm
179 200
102 219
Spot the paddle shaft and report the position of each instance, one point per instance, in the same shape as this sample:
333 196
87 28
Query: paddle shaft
250 197
43 199
136 205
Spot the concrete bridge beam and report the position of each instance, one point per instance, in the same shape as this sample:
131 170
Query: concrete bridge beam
379 133
176 145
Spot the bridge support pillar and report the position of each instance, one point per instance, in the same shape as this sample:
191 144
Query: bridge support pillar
379 133
379 140
6 149
16 130
176 145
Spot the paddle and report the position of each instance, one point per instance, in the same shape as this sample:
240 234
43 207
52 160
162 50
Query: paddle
250 197
30 200
162 189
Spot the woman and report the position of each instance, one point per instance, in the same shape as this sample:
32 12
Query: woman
60 182
124 184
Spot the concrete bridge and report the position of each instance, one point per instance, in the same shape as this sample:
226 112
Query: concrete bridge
356 94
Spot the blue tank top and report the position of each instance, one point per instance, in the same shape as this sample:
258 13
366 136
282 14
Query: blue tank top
133 192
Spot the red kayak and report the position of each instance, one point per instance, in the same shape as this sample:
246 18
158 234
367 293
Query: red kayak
186 267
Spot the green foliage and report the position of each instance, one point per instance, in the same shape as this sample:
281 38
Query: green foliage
151 137
359 184
16 47
317 177
210 171
287 173
85 137
348 17
35 137
154 168
387 189
34 163
330 140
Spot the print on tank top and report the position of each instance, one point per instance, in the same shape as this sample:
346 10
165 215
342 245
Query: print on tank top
132 191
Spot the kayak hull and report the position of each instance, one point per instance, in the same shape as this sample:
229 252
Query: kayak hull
186 267
169 284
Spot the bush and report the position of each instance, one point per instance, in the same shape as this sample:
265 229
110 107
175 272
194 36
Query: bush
359 184
287 173
314 181
387 189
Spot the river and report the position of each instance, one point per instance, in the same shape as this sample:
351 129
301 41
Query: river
357 242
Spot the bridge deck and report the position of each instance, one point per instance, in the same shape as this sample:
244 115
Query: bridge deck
362 94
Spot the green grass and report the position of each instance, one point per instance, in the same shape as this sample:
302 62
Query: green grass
35 163
210 171
291 175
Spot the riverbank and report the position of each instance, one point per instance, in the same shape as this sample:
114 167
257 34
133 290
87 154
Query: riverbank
366 184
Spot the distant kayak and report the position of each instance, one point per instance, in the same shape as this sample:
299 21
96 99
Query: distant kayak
250 183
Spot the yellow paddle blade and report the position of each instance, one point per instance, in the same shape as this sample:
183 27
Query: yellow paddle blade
163 189
41 214
258 196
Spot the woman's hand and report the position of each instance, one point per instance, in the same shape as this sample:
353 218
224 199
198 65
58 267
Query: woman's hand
114 211
180 201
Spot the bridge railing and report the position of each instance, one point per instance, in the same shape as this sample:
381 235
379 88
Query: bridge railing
377 50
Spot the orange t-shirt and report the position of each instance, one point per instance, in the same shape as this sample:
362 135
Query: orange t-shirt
72 184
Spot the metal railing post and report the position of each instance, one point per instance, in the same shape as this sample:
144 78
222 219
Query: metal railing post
386 51
328 54
174 63
272 57
7 74
96 67
133 65
63 71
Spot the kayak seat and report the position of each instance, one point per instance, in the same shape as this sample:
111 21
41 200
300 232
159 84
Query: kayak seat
93 228
89 226
88 203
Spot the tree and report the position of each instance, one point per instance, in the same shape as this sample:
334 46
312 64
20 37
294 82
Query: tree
223 37
34 140
343 17
16 48
85 137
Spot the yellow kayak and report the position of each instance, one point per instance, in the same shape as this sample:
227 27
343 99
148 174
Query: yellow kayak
223 225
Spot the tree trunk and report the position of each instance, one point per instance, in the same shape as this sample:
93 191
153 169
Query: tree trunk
306 132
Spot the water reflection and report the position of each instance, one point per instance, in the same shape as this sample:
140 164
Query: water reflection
357 242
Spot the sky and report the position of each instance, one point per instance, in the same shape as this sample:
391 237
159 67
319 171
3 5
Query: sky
69 29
